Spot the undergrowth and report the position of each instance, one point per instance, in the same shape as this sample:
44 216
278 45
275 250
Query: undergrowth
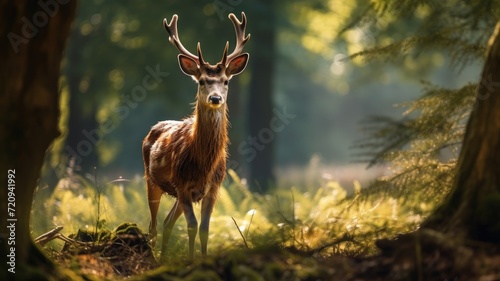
322 219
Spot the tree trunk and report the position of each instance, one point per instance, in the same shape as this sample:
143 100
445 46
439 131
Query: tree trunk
473 208
258 149
33 36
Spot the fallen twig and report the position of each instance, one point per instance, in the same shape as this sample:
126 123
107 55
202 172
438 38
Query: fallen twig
48 236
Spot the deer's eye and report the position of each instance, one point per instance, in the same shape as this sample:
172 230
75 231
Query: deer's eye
201 82
226 82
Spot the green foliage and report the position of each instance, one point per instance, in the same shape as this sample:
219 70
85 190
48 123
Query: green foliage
422 148
458 28
321 218
326 217
245 265
76 204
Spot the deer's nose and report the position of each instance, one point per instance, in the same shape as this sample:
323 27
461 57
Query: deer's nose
215 99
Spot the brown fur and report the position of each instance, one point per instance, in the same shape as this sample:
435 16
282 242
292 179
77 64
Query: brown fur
187 159
190 151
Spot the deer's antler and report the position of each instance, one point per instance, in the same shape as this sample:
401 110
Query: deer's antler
174 39
239 28
241 39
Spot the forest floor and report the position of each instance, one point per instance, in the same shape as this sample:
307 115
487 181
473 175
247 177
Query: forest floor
424 255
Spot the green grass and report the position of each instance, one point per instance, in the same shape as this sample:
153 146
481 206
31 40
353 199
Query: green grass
319 218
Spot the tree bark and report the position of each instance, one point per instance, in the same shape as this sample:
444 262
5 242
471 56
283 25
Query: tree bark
473 209
31 49
259 152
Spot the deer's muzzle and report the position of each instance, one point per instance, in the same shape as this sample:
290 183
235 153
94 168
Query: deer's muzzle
215 100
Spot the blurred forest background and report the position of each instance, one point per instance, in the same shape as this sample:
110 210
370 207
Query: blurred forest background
120 77
332 88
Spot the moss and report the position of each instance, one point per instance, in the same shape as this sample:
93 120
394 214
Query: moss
272 271
202 275
127 228
91 236
243 272
43 272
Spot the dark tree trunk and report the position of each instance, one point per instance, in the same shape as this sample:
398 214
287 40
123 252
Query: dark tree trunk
31 47
258 148
473 208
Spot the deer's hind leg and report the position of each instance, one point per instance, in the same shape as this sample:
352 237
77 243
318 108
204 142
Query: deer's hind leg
186 205
154 197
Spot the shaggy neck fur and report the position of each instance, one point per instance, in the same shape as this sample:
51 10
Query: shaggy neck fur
210 133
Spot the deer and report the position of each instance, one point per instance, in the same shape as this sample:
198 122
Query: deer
187 159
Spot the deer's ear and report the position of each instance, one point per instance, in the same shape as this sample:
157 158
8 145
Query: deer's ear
237 65
188 65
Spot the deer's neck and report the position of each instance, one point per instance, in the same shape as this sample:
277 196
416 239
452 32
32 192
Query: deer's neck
210 133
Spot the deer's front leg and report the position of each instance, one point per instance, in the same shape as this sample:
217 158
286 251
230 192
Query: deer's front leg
207 207
192 224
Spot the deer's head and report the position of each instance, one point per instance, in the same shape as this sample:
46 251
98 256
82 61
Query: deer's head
212 79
